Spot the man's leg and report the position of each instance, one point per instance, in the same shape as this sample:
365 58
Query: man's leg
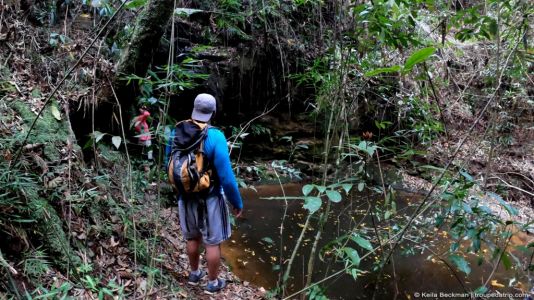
213 256
193 253
219 231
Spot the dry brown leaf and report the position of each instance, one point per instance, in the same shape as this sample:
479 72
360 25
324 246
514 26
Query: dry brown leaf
54 183
496 284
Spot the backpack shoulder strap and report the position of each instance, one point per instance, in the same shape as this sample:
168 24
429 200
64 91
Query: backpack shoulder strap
202 126
203 139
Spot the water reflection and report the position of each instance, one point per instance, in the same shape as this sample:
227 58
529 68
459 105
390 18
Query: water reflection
254 250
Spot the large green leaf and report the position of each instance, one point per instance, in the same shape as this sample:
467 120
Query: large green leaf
382 70
367 147
493 27
55 112
307 189
135 4
320 188
333 196
417 57
186 11
116 140
365 244
467 176
312 204
346 187
353 255
268 240
98 136
460 263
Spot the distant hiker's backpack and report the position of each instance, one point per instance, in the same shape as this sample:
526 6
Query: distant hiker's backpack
188 168
169 138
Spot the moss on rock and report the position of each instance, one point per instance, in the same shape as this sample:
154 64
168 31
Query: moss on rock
48 130
54 237
53 134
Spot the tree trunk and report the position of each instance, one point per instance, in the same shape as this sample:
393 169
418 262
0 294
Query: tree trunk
146 37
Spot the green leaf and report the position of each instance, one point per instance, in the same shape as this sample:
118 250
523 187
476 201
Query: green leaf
306 190
116 140
321 188
96 3
481 290
98 136
268 240
467 176
493 27
186 11
312 204
353 255
467 208
333 196
153 75
354 273
522 248
418 57
460 263
369 148
346 187
55 112
361 186
365 244
382 70
135 4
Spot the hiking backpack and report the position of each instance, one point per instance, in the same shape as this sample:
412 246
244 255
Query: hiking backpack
188 167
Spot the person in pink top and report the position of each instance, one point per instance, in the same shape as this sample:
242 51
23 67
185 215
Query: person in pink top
141 127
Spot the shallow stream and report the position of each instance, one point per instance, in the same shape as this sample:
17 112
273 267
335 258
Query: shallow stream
253 252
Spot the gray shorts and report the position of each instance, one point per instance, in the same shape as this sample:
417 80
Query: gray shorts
210 221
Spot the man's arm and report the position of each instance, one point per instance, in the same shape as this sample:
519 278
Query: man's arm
221 160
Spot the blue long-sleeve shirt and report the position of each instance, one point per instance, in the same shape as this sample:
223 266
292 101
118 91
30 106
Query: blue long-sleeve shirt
216 150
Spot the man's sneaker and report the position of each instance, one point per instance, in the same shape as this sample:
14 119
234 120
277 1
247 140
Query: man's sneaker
195 279
212 289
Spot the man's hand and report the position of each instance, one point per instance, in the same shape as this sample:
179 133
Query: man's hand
238 212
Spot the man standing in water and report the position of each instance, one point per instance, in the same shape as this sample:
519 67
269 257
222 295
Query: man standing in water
207 220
